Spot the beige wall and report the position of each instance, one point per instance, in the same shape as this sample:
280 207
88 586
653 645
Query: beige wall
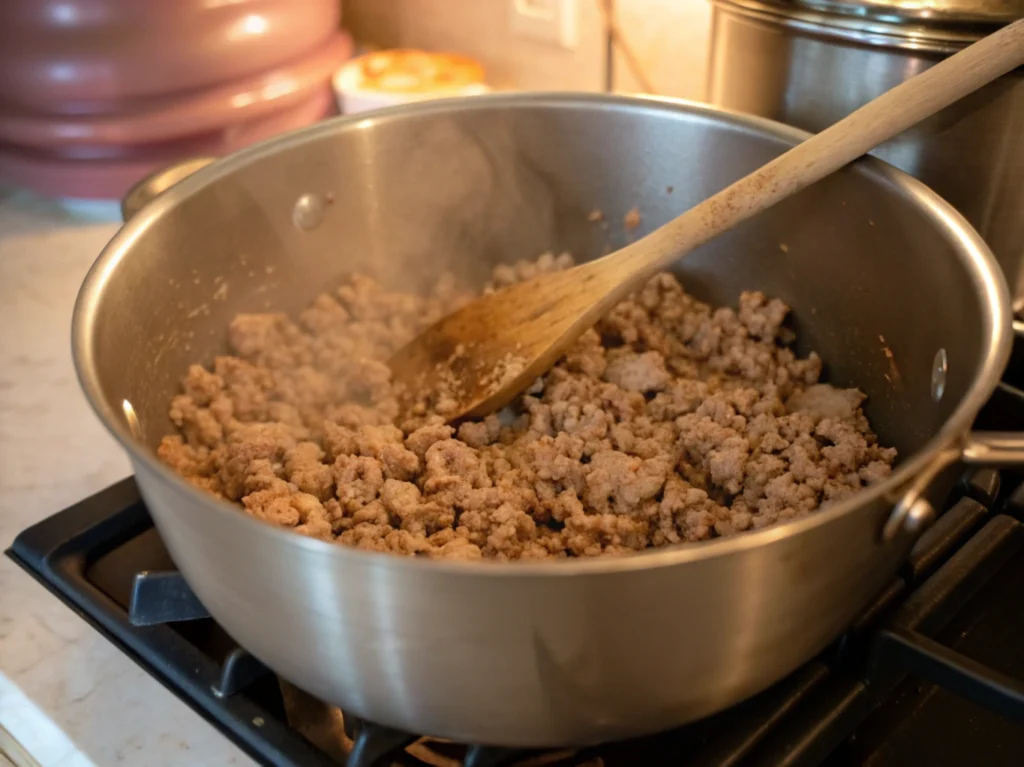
669 36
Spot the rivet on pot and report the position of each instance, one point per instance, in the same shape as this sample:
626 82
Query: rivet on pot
940 366
308 212
920 516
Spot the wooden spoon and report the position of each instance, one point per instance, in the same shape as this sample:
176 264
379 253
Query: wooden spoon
479 358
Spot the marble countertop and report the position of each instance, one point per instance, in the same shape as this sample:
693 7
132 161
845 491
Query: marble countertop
66 694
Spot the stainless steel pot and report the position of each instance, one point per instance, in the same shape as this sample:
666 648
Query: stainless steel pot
810 63
570 652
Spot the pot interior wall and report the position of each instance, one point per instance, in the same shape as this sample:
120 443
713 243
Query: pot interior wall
877 282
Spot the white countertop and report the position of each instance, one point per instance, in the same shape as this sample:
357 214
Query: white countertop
66 694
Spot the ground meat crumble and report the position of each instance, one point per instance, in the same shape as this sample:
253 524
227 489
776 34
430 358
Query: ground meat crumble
668 422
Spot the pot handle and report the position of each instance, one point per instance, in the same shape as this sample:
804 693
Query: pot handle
159 181
913 513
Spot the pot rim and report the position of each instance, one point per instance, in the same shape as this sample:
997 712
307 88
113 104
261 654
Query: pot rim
986 275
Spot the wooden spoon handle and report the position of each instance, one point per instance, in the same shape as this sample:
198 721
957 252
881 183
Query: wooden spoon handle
821 154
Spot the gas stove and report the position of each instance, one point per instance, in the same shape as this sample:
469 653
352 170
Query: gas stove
931 673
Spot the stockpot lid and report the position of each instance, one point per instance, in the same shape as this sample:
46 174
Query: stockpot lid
941 26
988 12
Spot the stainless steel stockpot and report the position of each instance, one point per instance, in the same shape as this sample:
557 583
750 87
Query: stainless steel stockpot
810 63
894 289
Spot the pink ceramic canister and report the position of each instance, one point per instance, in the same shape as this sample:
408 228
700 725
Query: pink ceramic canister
96 93
107 173
182 113
80 56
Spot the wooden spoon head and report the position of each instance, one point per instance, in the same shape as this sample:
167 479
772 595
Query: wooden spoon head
477 359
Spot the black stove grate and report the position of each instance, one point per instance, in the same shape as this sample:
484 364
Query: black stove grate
105 560
88 556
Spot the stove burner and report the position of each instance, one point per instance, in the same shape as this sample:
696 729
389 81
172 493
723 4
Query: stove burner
907 653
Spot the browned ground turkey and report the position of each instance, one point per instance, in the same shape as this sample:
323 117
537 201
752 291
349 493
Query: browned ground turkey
669 422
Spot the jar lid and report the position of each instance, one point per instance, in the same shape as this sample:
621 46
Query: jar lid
412 71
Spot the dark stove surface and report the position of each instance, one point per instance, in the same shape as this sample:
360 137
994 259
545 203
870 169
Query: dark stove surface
928 675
